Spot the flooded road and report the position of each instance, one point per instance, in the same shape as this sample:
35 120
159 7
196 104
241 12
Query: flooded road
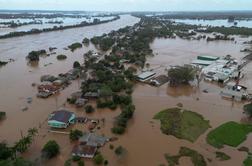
145 143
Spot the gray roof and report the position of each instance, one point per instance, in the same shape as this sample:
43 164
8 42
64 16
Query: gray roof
92 139
61 116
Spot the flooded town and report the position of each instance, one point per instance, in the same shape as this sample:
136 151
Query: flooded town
125 88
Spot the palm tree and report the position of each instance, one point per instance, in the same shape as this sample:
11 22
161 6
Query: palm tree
32 132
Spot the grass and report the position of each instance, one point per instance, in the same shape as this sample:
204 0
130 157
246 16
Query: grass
222 156
248 160
230 133
182 124
196 158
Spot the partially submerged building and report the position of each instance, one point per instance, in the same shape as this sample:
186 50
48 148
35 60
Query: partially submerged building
88 145
145 76
159 80
61 119
234 91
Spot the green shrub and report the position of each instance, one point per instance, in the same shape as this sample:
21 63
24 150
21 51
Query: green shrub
61 57
75 134
98 159
89 109
51 149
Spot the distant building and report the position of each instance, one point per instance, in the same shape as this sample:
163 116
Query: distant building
61 119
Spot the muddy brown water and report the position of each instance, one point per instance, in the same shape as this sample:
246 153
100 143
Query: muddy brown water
145 143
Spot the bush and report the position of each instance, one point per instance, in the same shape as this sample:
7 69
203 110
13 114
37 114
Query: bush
89 109
119 150
61 57
51 149
2 115
98 159
34 55
106 162
81 163
85 41
75 135
111 146
76 64
118 130
248 109
74 46
68 162
71 100
76 158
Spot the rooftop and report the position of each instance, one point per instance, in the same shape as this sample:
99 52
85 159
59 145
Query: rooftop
92 139
61 116
146 75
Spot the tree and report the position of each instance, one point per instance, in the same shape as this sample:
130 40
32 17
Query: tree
105 91
23 144
5 151
119 150
75 134
2 115
76 64
89 109
51 149
81 163
98 159
61 57
85 41
181 75
248 109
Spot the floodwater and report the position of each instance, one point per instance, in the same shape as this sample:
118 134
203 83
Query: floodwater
225 23
145 143
66 21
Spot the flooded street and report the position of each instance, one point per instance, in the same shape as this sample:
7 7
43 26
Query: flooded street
145 143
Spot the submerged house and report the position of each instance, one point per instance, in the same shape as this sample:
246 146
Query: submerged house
88 145
61 119
159 80
145 76
84 151
234 91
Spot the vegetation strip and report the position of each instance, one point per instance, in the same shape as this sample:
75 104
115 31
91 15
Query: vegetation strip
230 133
182 124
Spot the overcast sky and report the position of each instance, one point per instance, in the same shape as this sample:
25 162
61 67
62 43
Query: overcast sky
128 5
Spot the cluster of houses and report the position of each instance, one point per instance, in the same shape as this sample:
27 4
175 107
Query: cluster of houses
218 69
223 70
51 85
88 143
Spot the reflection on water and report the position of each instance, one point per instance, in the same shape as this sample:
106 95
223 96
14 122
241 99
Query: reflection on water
182 90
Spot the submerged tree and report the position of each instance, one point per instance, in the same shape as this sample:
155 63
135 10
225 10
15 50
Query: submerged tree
181 75
51 149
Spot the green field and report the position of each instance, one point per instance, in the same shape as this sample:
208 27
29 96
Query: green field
248 160
196 158
230 133
182 124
